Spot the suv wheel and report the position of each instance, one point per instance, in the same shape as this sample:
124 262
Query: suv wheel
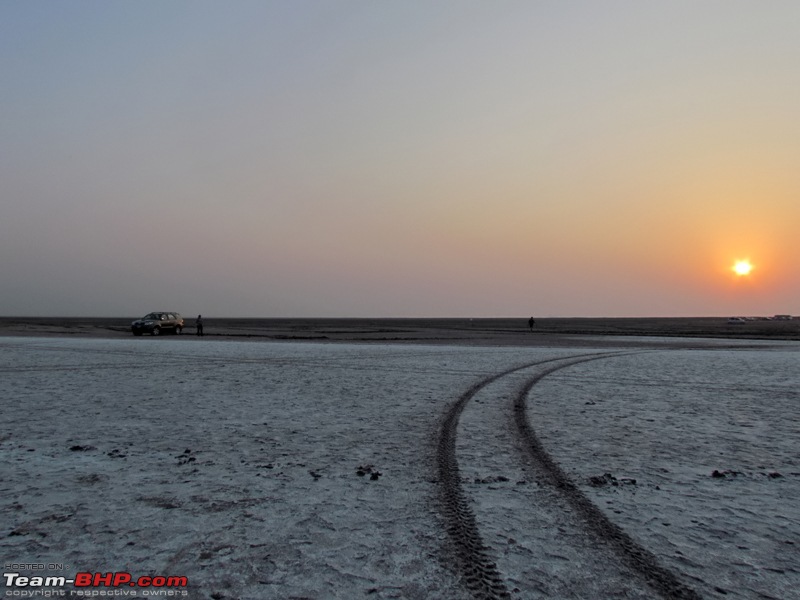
156 331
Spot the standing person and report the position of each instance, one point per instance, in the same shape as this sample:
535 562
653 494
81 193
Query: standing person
531 323
198 323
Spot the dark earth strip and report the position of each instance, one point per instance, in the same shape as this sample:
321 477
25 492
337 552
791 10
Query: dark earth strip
480 331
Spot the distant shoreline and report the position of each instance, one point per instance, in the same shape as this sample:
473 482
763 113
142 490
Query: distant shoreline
478 331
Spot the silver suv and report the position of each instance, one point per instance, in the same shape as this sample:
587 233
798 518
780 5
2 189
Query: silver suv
156 323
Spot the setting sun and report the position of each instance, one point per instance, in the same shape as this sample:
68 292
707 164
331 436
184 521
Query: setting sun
742 267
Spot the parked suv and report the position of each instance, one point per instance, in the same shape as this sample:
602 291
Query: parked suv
156 323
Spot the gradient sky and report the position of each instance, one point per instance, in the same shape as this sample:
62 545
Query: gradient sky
406 158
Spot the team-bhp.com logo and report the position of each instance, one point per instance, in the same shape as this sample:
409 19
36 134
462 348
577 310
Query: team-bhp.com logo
89 584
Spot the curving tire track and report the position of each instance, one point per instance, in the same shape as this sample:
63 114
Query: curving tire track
660 579
480 572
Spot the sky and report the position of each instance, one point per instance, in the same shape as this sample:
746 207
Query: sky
406 158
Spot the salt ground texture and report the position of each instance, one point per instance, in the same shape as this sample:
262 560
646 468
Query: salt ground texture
309 470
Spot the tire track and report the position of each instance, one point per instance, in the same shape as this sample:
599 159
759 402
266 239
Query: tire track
643 562
479 570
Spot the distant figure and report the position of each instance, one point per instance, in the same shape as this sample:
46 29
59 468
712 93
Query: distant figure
198 323
531 323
